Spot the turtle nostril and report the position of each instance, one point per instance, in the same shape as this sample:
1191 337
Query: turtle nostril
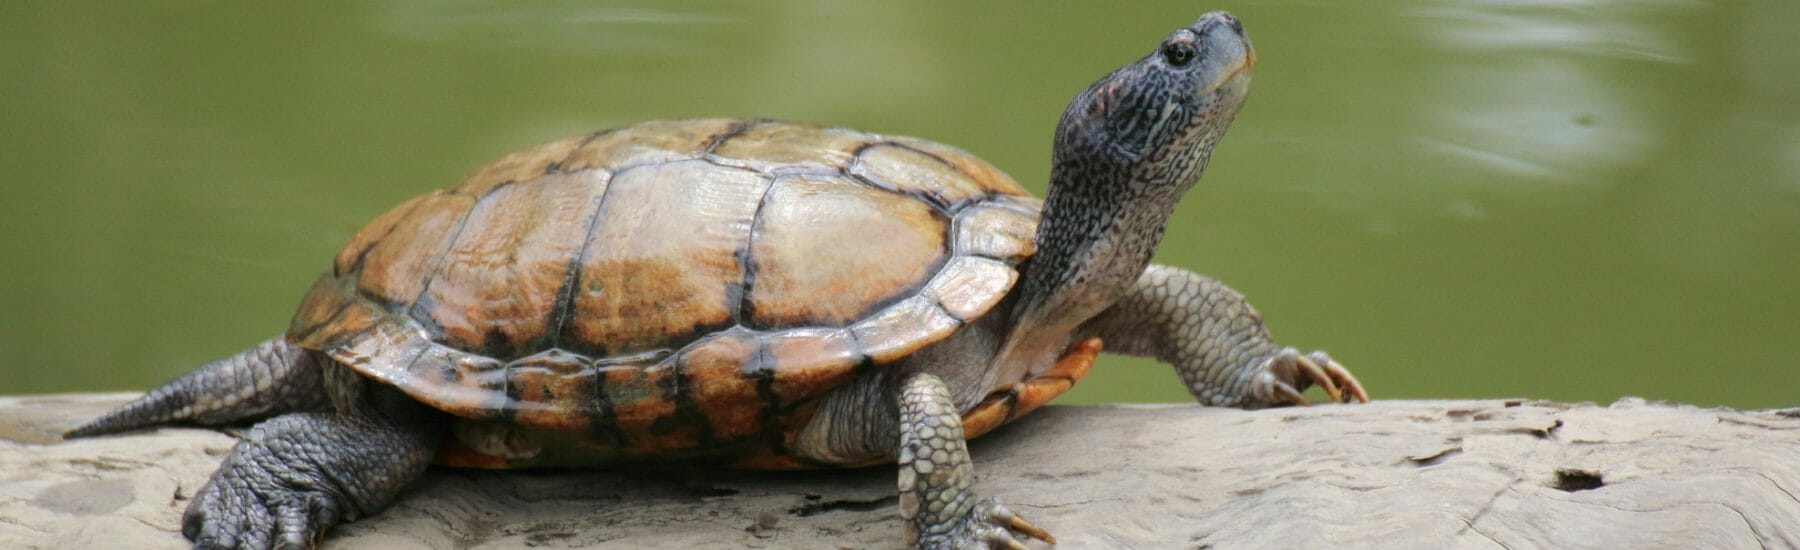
1211 21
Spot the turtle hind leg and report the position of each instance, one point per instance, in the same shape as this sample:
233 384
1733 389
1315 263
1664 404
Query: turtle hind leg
935 473
294 476
270 378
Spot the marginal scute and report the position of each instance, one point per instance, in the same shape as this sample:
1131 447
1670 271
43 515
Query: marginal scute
999 230
663 262
910 171
810 362
829 251
455 381
775 147
396 350
385 351
552 390
719 374
903 328
644 407
969 286
651 142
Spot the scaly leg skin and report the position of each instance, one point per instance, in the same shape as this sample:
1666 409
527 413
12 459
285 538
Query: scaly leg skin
296 475
935 473
273 377
1216 342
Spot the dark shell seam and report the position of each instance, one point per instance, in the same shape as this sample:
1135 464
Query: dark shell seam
356 266
743 310
437 265
951 209
565 293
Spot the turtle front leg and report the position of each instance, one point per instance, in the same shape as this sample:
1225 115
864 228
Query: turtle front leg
296 475
935 473
1216 342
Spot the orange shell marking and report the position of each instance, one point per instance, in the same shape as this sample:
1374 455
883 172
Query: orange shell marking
1024 397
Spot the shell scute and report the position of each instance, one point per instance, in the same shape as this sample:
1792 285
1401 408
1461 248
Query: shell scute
351 256
1003 230
395 270
518 166
316 323
993 179
720 376
663 263
651 143
809 362
552 390
814 263
778 148
914 172
502 277
903 328
646 408
970 286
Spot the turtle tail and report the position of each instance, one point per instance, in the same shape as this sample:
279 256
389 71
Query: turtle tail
270 378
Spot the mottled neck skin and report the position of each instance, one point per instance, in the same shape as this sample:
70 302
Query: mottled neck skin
1126 150
1101 224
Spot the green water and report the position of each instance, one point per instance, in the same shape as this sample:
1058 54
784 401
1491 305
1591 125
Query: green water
1575 200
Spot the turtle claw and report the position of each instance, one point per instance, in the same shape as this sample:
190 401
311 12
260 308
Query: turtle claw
1335 375
1318 376
1019 524
1285 375
992 525
1284 394
987 524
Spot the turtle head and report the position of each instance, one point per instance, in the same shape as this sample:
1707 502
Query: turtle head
1127 149
1156 120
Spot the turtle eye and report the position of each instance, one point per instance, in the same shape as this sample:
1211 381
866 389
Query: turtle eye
1178 54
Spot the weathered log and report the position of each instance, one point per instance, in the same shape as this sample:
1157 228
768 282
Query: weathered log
1392 474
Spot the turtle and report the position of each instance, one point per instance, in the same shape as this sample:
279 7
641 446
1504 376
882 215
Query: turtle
742 293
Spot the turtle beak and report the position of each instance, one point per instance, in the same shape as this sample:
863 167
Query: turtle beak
1235 32
1228 48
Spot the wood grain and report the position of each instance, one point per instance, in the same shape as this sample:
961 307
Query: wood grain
1392 474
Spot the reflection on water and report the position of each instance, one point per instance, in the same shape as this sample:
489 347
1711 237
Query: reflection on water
1519 91
1560 199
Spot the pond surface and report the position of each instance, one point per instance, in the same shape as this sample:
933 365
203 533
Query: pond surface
1573 200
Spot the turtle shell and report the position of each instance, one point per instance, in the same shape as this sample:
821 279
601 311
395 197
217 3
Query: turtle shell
672 285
